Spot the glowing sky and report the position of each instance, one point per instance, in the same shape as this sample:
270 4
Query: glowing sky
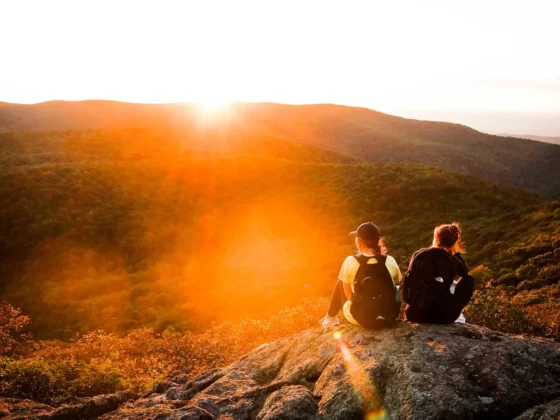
387 55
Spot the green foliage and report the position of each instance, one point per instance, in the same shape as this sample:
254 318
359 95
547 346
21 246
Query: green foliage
31 379
96 233
482 274
13 325
493 309
522 274
116 229
98 363
57 381
358 132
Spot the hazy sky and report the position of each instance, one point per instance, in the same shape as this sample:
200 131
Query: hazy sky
394 56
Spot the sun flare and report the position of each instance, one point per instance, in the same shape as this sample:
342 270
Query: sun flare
211 105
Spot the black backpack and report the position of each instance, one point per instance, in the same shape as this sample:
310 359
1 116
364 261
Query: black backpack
428 278
374 294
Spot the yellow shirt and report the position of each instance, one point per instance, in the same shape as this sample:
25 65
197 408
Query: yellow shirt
350 268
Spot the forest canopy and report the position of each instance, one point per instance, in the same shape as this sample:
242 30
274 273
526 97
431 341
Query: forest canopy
125 228
360 133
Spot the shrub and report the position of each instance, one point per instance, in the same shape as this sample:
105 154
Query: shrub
32 379
57 381
482 274
492 308
56 372
12 329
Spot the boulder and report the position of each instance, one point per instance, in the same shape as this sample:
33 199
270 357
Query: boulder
546 411
344 372
291 402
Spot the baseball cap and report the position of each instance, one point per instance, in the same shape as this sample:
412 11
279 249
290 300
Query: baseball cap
368 231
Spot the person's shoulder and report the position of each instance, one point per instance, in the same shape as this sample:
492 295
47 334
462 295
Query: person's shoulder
459 257
391 260
460 263
350 259
420 251
348 270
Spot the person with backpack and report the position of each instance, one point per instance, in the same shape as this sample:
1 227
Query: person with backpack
431 289
367 289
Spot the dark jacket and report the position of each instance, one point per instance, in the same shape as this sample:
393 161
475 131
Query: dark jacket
459 264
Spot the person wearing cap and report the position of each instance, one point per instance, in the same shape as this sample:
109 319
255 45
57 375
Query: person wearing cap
369 243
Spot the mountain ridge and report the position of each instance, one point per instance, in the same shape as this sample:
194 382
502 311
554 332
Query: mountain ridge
360 133
544 139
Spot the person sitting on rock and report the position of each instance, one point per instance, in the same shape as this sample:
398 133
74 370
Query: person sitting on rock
367 287
431 289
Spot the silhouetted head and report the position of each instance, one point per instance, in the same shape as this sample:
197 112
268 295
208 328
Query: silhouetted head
368 239
448 237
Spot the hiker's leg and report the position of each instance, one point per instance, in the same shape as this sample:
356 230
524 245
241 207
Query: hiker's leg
337 299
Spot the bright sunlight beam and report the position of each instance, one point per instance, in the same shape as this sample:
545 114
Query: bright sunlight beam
212 105
214 109
362 384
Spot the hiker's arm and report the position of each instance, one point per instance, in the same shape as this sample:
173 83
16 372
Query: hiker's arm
346 276
462 267
348 291
412 259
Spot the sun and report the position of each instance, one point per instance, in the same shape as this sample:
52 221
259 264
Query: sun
214 104
214 107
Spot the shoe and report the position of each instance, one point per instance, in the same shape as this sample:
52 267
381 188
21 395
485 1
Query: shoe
461 319
327 321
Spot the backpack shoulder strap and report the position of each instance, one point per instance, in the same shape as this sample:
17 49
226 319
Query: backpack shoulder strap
362 259
381 258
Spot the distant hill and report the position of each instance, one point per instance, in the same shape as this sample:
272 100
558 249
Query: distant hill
357 132
546 139
28 148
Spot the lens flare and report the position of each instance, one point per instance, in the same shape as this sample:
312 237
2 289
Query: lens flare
364 388
376 415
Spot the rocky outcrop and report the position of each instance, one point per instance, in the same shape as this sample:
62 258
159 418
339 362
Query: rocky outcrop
87 408
407 372
14 408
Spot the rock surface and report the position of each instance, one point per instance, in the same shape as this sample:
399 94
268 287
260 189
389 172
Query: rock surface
13 408
550 410
408 372
87 408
